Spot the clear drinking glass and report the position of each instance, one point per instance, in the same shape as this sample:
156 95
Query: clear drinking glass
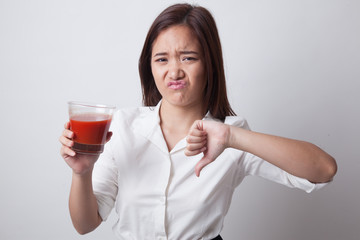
90 124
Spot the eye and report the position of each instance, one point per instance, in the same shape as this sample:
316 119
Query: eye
187 59
161 60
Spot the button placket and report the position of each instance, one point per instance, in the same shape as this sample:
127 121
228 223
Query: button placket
161 209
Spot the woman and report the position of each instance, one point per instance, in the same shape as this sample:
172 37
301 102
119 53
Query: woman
150 170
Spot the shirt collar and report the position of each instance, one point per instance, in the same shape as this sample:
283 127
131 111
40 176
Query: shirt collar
148 125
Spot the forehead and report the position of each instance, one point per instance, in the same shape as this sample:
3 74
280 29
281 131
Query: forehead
179 37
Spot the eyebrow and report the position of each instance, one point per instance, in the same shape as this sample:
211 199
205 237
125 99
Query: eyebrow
189 52
181 52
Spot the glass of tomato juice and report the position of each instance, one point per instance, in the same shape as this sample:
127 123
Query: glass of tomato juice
90 124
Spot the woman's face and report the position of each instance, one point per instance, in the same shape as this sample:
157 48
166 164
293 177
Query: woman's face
177 64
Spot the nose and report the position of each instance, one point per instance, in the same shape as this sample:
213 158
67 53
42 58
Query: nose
175 71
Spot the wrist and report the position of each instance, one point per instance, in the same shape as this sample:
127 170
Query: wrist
231 137
84 173
236 137
230 142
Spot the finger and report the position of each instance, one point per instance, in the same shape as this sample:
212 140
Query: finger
198 124
194 152
195 139
200 165
66 141
67 125
196 127
195 146
65 152
68 133
196 131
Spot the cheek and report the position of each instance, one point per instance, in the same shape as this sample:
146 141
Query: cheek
156 72
152 70
157 78
200 77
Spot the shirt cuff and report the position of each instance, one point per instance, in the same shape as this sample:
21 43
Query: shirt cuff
305 184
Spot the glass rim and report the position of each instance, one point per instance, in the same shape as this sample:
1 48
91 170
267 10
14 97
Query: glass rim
89 104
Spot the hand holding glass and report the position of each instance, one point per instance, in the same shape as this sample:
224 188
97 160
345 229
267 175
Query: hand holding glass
90 124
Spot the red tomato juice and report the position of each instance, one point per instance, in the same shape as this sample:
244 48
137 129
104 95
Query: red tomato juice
89 131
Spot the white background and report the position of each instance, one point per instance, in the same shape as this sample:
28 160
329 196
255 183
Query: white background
292 67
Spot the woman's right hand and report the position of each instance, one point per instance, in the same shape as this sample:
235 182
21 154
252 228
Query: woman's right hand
79 163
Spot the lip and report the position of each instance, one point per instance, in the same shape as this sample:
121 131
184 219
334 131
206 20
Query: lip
179 84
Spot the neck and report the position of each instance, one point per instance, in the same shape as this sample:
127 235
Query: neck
180 118
176 121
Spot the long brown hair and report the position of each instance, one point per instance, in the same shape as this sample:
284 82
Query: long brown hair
203 25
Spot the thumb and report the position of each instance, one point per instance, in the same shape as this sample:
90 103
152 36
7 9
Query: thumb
201 164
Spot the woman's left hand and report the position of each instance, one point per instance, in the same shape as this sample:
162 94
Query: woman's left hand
208 137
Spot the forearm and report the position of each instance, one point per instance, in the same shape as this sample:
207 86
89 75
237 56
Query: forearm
82 204
299 158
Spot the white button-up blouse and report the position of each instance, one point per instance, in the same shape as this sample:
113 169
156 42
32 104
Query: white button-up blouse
156 193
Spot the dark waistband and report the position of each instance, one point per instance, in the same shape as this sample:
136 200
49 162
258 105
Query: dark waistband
218 238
